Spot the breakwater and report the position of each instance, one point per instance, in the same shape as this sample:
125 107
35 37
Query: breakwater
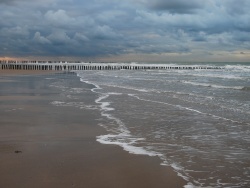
68 66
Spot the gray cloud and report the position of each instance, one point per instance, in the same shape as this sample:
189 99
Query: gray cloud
59 37
41 39
100 28
237 7
81 37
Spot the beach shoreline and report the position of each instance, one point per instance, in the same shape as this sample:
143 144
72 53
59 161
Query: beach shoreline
44 145
11 72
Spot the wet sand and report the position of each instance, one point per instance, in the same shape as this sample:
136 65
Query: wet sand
42 145
9 72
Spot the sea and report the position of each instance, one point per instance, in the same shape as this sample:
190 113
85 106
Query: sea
195 120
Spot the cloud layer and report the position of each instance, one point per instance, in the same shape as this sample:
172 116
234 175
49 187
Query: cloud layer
108 28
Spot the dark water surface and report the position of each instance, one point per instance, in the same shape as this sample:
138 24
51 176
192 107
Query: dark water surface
197 121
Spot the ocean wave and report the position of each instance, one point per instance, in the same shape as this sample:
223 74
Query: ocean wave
246 88
79 105
91 83
186 108
215 86
57 103
223 76
126 142
132 88
122 136
49 78
76 90
119 134
234 68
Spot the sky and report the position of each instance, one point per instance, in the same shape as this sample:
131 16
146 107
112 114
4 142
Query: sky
126 30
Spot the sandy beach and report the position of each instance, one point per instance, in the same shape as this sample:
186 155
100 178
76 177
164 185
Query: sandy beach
9 72
43 145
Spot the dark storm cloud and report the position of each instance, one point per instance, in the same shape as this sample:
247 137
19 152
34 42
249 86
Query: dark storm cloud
176 6
94 28
16 2
7 1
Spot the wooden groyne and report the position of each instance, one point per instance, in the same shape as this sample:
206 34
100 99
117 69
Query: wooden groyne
70 66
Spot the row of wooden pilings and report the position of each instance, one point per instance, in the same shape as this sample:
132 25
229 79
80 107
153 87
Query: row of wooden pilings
79 66
26 67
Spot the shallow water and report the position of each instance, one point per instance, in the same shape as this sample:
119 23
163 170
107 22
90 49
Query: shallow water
197 121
